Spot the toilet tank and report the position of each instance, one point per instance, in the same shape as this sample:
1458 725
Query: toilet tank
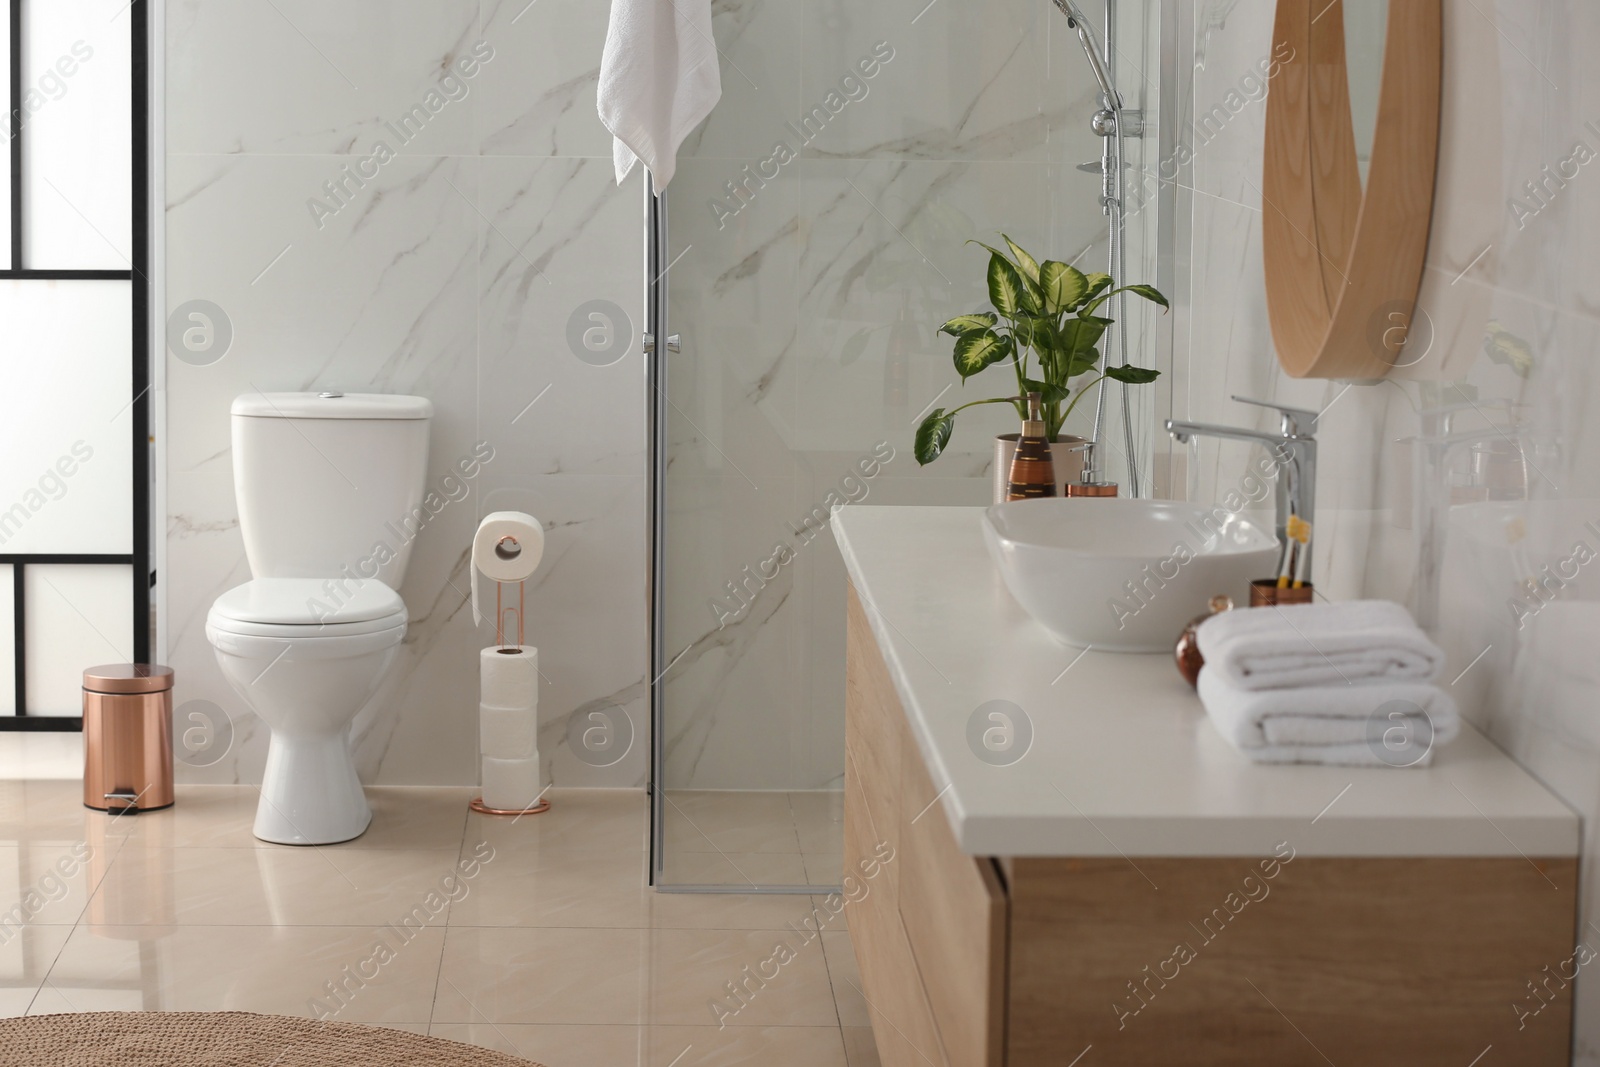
330 484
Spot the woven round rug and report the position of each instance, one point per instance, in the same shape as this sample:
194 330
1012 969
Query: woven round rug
225 1039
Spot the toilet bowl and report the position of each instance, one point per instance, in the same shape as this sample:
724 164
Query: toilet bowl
330 495
307 674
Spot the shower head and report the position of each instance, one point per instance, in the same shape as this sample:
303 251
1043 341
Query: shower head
1091 48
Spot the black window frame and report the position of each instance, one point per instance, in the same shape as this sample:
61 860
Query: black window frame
139 279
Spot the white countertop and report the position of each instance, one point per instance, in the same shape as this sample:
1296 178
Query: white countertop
1123 759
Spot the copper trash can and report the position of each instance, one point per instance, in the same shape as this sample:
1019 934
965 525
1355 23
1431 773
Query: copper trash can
127 737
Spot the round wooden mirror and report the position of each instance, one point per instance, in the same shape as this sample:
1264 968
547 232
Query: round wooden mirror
1344 237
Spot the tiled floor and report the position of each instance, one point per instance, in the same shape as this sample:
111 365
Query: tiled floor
739 837
548 943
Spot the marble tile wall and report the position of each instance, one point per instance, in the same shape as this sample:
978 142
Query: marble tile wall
808 303
1497 561
451 273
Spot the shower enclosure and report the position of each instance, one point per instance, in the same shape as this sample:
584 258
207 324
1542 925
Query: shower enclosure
813 239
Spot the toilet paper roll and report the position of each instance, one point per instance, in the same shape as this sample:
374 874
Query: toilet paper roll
508 733
508 679
510 784
506 548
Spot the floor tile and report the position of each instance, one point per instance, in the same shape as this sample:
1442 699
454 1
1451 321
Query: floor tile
824 869
727 911
552 1045
554 945
730 821
615 821
738 978
734 869
277 887
845 978
819 820
860 1047
541 975
26 956
586 888
658 1046
46 811
51 883
274 970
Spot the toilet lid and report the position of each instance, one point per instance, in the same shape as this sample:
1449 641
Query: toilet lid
324 606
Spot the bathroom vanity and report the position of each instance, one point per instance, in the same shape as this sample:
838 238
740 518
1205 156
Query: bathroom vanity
1131 890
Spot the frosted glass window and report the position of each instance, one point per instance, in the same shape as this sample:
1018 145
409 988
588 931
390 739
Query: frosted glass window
77 617
8 645
66 485
77 135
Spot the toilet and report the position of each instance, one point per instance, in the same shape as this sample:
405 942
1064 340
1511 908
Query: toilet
329 488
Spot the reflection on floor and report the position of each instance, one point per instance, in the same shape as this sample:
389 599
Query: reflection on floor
537 936
743 837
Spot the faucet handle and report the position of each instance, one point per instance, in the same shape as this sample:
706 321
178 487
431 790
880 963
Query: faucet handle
1297 422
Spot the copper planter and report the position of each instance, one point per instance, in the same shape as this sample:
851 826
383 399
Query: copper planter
127 737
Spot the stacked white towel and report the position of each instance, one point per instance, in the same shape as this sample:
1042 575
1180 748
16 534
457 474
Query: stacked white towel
1346 683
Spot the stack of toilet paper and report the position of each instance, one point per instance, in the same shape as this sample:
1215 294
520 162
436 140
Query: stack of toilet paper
508 727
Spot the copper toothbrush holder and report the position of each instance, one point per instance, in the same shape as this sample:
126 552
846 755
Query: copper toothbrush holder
1264 593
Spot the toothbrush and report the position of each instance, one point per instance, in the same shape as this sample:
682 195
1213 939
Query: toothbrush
1302 569
1297 530
1286 564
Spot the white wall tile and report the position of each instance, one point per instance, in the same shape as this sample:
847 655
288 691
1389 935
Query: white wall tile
450 272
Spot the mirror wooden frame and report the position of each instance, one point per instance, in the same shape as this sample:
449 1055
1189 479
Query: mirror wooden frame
1342 267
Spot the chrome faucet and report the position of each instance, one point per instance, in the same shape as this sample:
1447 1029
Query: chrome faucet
1294 447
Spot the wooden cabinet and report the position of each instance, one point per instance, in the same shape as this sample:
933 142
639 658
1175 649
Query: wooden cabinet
1288 960
875 740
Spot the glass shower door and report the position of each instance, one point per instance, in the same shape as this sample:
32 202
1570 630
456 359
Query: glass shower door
818 236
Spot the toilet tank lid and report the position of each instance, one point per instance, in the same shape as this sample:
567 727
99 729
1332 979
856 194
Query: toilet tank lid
332 405
309 601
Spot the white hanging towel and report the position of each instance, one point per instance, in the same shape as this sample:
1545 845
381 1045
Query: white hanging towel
658 81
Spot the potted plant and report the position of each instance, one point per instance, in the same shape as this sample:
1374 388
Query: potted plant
1050 312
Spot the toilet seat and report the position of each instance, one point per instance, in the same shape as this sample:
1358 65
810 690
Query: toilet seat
307 609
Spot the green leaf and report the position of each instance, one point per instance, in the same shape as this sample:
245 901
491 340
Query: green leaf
1009 292
1132 375
1150 293
965 324
1078 340
976 351
1025 263
1049 392
933 435
1097 285
1061 285
1033 330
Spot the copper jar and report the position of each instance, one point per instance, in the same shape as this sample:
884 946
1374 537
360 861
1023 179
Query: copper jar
1264 593
127 737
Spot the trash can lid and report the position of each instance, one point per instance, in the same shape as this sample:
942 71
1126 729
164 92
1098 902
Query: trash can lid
128 678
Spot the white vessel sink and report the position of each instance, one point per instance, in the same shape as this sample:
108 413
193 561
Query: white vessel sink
1124 575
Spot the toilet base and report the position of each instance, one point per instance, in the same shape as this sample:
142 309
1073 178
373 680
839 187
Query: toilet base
310 794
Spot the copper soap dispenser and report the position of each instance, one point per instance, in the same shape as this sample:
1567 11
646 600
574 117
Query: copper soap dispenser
1033 473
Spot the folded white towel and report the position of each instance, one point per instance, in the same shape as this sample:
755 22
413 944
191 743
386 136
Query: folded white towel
1319 644
658 80
1396 724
